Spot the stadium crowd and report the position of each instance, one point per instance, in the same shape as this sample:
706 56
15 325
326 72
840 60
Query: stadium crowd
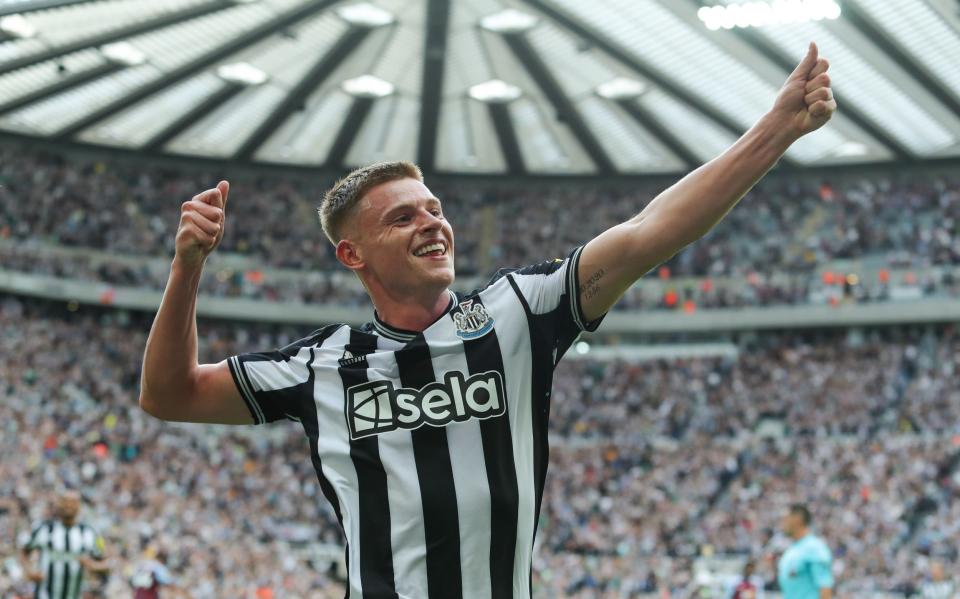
765 253
653 464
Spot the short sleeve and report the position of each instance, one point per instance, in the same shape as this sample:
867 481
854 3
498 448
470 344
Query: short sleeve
94 542
549 290
819 565
822 576
38 537
274 384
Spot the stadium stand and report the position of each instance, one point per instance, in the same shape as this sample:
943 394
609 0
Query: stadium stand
896 236
655 465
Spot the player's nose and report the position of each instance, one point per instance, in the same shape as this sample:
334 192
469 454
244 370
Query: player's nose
430 222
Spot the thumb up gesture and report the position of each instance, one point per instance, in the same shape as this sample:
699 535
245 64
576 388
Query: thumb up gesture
805 102
201 225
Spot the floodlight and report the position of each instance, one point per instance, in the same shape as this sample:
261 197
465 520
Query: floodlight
242 72
123 53
495 91
509 21
365 14
17 26
621 88
759 14
368 86
851 148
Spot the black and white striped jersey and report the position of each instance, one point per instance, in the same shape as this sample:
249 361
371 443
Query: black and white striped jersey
432 446
60 548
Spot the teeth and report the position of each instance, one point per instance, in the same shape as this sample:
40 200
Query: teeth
429 248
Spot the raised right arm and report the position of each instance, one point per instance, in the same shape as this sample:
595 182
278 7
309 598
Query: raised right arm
173 386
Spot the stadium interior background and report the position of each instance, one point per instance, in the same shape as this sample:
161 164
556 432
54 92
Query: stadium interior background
803 351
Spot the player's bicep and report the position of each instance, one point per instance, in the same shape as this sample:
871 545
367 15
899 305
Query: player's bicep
214 399
614 260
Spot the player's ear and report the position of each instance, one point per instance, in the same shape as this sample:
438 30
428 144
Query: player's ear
349 254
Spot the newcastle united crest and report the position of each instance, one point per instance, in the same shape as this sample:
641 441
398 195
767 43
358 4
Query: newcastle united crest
472 320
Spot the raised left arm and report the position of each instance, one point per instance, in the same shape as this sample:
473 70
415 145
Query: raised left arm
683 213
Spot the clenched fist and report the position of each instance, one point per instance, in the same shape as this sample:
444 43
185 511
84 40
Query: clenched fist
201 225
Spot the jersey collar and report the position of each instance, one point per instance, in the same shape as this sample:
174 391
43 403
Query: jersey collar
403 335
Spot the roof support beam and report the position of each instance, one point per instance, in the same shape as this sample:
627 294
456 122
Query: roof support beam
875 33
566 111
19 8
667 138
67 82
597 40
850 111
219 53
434 56
114 35
296 97
186 120
503 125
348 131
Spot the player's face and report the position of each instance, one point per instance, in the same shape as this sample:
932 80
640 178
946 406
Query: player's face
790 523
405 241
68 505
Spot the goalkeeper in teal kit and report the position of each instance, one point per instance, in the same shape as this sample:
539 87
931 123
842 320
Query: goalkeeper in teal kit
804 568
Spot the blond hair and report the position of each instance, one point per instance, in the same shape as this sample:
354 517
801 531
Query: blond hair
338 203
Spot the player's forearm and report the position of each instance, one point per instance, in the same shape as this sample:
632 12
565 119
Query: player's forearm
826 593
97 566
170 357
696 203
28 564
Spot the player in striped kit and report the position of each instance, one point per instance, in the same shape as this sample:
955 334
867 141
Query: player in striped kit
67 550
427 426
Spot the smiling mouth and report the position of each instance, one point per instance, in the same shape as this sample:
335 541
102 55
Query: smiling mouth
431 250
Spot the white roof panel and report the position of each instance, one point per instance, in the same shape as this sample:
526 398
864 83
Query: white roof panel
294 139
925 35
534 118
55 113
726 72
578 71
389 133
654 34
863 75
174 46
703 137
306 137
139 123
628 145
223 131
287 58
57 26
467 140
17 48
467 64
401 57
23 81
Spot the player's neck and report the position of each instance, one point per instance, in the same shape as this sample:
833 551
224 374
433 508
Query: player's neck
411 313
799 534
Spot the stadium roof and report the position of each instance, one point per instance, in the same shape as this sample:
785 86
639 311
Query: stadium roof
475 86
